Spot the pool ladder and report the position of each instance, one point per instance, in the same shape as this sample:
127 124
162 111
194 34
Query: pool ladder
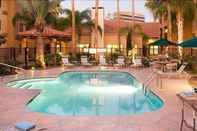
147 82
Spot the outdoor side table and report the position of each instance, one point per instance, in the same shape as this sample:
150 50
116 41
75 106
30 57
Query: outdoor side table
190 101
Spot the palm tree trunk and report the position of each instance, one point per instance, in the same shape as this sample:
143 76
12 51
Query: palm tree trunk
133 20
118 15
40 52
169 22
195 19
96 23
180 21
73 27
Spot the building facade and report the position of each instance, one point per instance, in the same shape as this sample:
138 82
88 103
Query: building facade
8 8
127 16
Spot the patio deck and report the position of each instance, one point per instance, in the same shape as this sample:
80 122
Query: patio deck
12 108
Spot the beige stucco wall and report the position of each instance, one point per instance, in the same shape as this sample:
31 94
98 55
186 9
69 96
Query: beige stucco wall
7 11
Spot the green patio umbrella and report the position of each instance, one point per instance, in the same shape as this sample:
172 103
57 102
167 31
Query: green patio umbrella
162 42
191 43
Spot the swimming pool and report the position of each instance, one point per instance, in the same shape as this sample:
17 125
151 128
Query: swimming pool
99 93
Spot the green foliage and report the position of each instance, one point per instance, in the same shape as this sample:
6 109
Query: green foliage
3 71
2 39
58 59
36 13
129 39
146 62
158 9
191 62
173 55
82 20
48 59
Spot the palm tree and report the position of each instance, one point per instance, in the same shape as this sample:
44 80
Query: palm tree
82 21
73 26
158 9
96 22
129 32
184 12
195 18
35 13
118 16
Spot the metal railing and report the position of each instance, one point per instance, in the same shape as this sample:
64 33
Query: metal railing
147 82
11 66
23 71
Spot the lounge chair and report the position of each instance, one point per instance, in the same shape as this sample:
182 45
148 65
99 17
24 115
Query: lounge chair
120 61
171 67
65 61
84 61
137 62
102 61
180 72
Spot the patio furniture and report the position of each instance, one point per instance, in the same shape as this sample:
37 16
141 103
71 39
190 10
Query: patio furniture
171 67
137 63
120 61
189 99
65 61
25 126
178 73
102 61
163 65
84 61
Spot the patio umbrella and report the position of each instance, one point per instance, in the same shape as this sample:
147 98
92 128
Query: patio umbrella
162 42
191 43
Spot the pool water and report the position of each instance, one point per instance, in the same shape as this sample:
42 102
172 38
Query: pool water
90 94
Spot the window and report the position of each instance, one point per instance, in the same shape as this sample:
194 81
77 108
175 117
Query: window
154 50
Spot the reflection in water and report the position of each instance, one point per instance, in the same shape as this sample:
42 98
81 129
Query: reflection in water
105 93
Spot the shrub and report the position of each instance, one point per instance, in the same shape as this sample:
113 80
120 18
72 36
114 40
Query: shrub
48 59
58 59
145 62
191 63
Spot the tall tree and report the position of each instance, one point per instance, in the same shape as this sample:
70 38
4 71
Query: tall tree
96 22
128 32
82 21
36 12
184 12
129 42
158 9
73 26
118 16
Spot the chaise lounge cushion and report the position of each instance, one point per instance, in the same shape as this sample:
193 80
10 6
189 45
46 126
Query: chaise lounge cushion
25 126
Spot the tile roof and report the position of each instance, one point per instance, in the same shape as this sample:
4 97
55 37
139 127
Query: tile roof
47 32
152 29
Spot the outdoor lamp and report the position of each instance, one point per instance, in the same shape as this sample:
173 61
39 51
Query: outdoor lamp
166 29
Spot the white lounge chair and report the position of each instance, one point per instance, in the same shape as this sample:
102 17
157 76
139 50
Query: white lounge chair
102 61
65 61
180 72
171 67
84 61
120 61
137 62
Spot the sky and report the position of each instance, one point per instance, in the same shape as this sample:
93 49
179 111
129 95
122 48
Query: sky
110 6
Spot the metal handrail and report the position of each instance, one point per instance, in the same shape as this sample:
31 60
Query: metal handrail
15 67
147 81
